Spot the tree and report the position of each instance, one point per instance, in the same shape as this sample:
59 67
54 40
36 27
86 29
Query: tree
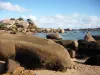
20 19
12 18
29 20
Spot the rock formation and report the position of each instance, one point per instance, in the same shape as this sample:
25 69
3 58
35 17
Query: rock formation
88 48
54 36
94 60
34 52
72 44
88 37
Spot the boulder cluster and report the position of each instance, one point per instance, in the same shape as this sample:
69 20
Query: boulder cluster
20 25
81 49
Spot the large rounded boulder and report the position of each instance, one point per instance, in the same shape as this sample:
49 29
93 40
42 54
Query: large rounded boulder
33 52
36 56
72 53
7 50
54 36
11 66
72 44
47 30
8 21
61 31
88 48
22 24
94 60
96 37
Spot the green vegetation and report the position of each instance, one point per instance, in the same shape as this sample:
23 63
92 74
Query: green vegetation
2 26
20 19
12 18
14 25
29 20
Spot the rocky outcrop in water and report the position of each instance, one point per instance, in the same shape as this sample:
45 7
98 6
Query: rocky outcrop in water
88 37
54 36
61 31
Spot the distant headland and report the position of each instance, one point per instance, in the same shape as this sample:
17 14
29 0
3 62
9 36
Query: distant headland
20 25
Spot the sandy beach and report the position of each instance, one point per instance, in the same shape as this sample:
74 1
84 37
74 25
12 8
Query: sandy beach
79 69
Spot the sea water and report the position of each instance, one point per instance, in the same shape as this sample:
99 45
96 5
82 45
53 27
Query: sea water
70 35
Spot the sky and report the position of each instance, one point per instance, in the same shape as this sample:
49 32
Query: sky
54 13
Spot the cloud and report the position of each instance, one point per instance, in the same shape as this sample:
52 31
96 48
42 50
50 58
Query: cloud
69 21
11 7
74 20
30 17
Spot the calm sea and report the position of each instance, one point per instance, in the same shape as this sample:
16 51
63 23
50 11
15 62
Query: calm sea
70 35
